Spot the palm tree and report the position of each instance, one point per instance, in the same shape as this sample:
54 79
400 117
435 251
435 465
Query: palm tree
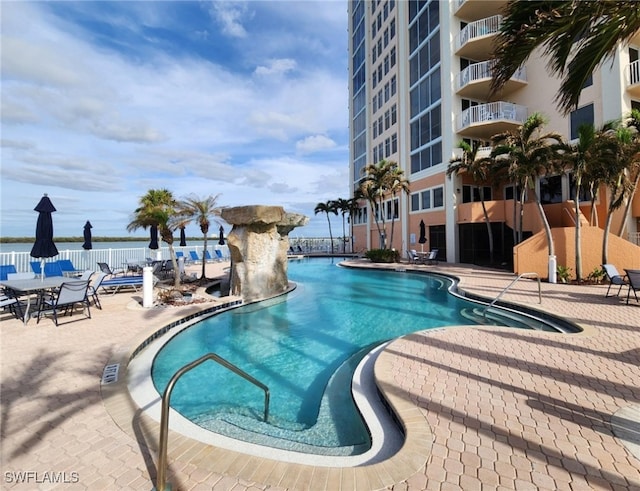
327 207
578 157
344 206
156 208
397 184
633 169
480 171
531 154
379 180
624 153
577 36
200 210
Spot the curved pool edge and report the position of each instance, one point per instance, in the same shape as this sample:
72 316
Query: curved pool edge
411 457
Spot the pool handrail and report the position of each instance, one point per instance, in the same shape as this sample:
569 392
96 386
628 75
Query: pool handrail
504 290
166 399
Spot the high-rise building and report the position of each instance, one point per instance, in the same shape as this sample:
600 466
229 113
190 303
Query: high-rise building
420 74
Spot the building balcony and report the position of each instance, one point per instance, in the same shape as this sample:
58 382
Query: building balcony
475 41
485 120
633 73
470 10
474 82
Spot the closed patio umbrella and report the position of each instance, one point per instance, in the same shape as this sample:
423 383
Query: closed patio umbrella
153 235
221 241
87 236
423 235
183 237
44 246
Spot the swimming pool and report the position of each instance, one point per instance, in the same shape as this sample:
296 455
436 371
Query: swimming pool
304 347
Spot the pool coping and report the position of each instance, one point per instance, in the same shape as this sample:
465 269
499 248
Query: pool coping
408 461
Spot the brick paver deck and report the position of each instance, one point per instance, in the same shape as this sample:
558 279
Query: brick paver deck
484 408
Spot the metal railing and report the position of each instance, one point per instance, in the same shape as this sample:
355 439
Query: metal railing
634 72
484 70
482 27
505 289
166 399
491 112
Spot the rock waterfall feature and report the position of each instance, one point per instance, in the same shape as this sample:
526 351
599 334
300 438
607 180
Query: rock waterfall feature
258 243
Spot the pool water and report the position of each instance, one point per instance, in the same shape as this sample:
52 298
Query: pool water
304 346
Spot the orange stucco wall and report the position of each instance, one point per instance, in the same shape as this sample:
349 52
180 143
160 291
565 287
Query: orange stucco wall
532 254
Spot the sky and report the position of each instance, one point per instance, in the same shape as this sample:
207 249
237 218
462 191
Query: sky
105 100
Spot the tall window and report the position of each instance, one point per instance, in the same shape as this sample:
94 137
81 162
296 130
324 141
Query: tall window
583 115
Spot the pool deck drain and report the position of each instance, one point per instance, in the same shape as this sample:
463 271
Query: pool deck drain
496 408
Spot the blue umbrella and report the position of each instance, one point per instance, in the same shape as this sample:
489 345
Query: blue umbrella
44 246
87 236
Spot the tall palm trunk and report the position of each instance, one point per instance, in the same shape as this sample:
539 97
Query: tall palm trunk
578 238
330 234
627 207
204 254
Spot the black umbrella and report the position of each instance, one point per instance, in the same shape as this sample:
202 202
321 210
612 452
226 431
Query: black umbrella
423 237
44 246
87 236
221 241
183 237
153 233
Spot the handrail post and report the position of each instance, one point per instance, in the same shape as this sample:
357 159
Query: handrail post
166 399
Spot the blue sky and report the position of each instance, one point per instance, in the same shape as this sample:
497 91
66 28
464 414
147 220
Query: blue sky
102 101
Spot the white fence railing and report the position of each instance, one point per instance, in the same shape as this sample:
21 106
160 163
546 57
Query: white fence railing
117 257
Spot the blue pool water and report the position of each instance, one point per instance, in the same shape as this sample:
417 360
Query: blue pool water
304 347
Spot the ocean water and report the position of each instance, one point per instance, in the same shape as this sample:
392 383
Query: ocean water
77 246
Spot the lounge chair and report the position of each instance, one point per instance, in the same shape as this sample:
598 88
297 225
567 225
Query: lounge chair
207 256
633 277
194 256
67 267
69 294
114 284
53 269
35 267
219 255
104 267
5 269
614 277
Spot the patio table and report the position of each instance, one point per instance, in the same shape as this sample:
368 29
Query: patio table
33 286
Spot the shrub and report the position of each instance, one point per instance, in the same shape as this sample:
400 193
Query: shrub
564 273
596 276
382 255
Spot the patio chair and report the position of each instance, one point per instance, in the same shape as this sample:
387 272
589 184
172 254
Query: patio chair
69 294
194 256
35 267
207 256
9 301
633 278
614 277
67 267
95 283
219 255
432 257
412 256
104 267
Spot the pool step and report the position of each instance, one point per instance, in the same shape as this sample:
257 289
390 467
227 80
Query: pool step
506 318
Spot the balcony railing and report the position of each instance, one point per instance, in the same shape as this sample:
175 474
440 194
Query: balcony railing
634 73
492 112
479 28
483 71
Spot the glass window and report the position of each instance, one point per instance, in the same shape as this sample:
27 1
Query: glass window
583 115
415 202
550 189
426 199
438 197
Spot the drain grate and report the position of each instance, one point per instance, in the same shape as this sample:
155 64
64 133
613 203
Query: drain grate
110 374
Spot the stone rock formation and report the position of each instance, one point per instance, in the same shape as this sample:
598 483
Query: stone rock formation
258 243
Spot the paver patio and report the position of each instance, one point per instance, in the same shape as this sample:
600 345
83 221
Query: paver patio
499 408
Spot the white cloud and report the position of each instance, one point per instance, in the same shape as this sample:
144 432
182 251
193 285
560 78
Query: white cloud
314 143
276 67
230 16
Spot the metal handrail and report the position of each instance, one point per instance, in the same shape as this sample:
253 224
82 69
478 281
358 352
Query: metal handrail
166 398
523 275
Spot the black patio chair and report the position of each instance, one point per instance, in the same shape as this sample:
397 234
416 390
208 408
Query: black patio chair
633 278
